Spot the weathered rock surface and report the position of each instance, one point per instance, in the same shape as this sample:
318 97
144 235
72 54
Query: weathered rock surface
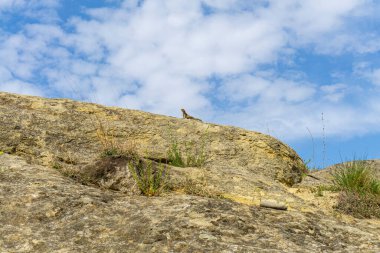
43 211
56 132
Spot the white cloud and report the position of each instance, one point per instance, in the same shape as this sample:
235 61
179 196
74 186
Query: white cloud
42 11
20 87
5 74
326 25
334 92
12 4
375 77
369 72
265 89
161 55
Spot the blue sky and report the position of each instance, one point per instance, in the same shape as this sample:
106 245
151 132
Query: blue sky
266 65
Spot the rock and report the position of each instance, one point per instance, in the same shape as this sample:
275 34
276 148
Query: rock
44 211
270 203
45 130
59 192
62 133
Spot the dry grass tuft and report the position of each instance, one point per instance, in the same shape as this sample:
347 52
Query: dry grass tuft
359 205
197 187
111 147
359 189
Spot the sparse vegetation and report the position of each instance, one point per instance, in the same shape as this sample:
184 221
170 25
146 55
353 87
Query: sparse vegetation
68 158
197 187
113 148
57 166
1 152
359 205
188 154
356 176
309 168
175 156
151 178
318 191
360 190
69 172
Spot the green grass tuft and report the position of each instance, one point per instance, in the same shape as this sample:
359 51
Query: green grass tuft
188 154
150 178
356 176
175 156
359 189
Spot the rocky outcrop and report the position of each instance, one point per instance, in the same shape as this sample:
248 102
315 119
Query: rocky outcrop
61 132
43 211
57 194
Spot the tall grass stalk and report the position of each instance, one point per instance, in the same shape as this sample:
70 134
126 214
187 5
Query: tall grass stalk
324 142
313 155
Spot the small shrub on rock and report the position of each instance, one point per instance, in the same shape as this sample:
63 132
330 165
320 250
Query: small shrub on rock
175 156
359 189
189 154
356 176
151 178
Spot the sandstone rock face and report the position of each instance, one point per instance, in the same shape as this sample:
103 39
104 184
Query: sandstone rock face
64 132
48 146
43 211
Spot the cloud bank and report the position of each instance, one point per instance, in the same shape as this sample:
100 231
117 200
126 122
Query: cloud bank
228 61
